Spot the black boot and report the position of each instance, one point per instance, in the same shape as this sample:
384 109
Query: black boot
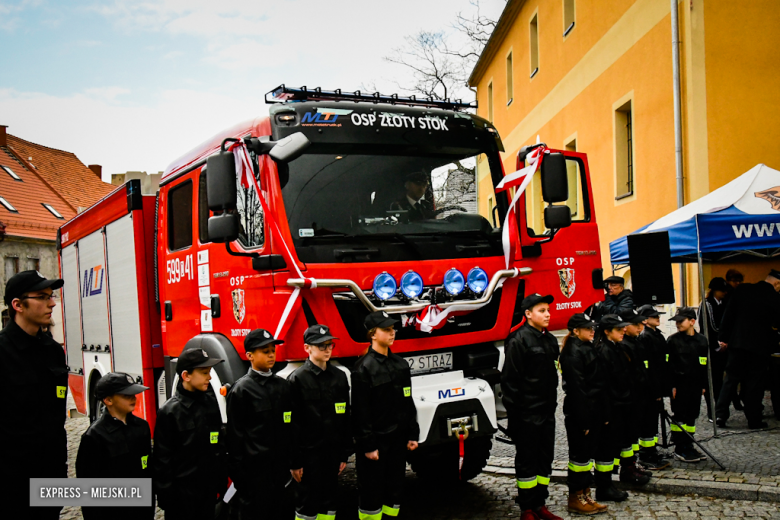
609 493
631 475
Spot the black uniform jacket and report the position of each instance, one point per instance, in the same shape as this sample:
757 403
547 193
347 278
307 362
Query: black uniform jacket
688 359
113 449
529 378
322 410
618 367
382 406
585 384
259 431
657 352
752 313
423 210
35 375
640 367
618 304
715 312
189 460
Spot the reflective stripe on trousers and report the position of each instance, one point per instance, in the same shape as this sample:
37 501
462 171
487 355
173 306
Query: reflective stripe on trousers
330 515
391 511
689 429
370 515
648 442
579 467
527 483
543 481
605 467
626 452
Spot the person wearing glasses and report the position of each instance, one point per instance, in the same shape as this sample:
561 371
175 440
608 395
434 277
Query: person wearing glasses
322 438
36 374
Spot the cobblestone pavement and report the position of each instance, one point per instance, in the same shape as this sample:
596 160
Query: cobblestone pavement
750 456
492 496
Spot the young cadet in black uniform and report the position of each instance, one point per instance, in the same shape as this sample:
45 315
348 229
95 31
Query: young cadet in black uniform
35 374
259 433
688 358
586 408
617 365
322 433
657 352
384 421
529 383
117 445
641 391
188 463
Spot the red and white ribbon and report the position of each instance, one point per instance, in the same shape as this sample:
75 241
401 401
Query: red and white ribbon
521 178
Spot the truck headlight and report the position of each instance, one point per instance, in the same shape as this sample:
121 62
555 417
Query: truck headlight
454 282
384 286
411 284
477 280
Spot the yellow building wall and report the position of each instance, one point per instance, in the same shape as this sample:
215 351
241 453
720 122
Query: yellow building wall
621 50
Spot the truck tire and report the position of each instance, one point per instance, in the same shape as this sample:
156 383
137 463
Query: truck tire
440 463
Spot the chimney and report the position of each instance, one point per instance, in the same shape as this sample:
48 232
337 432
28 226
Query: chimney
3 137
97 170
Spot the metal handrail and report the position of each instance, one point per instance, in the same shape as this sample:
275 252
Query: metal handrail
414 307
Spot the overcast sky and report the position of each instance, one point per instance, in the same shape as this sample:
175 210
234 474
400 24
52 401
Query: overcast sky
133 84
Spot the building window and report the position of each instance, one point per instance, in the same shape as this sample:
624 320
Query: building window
52 211
624 151
490 102
510 89
180 216
33 264
10 172
8 205
534 33
11 267
568 16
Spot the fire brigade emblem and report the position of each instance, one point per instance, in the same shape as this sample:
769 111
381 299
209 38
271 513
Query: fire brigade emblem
239 309
265 334
772 195
322 331
130 379
566 277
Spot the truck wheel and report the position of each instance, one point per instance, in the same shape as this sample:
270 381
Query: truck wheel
95 407
440 463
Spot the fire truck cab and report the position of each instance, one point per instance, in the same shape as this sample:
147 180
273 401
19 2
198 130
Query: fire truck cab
353 203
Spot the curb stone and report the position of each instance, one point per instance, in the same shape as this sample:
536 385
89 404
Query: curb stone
726 490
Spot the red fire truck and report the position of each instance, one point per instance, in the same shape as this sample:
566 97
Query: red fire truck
333 206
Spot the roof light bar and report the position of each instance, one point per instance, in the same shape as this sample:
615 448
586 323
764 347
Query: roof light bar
283 94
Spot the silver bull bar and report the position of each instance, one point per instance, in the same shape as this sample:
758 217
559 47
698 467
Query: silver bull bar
418 306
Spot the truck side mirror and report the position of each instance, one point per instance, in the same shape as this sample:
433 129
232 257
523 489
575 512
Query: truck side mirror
555 179
221 181
555 217
289 148
223 228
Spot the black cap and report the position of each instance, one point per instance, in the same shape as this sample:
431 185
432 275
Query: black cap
28 281
649 311
530 301
379 319
615 279
317 334
259 338
117 383
774 273
719 284
194 358
418 176
611 321
632 317
684 313
580 321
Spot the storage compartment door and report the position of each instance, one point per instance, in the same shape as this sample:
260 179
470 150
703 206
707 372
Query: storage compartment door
94 292
71 311
123 297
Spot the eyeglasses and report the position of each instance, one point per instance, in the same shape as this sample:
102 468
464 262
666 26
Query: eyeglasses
325 346
42 297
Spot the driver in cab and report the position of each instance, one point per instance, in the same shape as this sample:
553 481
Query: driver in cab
414 202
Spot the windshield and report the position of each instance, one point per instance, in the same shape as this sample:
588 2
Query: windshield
375 197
